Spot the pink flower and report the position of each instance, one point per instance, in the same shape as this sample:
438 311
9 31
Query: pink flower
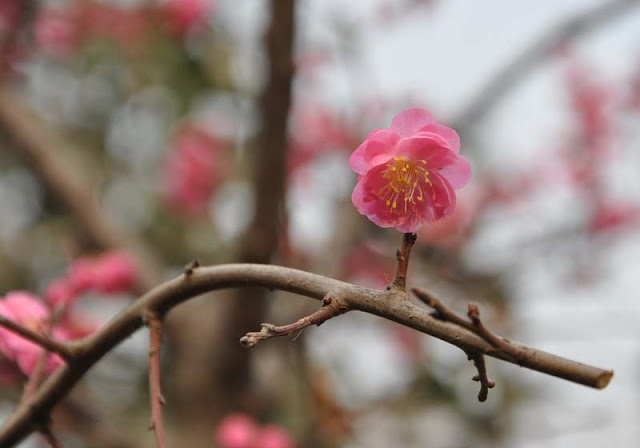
408 174
29 311
272 436
236 431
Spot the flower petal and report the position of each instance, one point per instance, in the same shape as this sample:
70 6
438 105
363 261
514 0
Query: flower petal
408 122
458 174
378 142
429 148
444 198
449 135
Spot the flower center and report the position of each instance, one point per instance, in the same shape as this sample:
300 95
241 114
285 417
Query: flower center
405 181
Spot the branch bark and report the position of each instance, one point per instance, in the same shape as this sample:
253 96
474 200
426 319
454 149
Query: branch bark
154 322
391 305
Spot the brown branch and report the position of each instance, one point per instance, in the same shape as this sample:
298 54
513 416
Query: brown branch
40 147
481 377
387 304
154 322
399 282
41 339
536 54
330 308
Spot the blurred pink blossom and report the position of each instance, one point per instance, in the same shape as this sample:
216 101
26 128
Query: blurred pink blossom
272 436
236 431
408 174
193 170
182 15
28 310
112 272
60 291
613 216
126 26
9 13
57 31
242 431
452 230
316 131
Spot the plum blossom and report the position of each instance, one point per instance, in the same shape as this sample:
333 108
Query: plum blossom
408 174
28 310
242 431
272 436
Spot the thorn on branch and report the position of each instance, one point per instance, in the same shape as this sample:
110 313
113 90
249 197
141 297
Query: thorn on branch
331 307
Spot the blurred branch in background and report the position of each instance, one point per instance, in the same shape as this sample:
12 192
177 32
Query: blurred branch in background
261 240
225 375
532 56
43 150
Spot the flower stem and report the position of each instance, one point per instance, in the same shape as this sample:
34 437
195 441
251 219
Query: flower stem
402 255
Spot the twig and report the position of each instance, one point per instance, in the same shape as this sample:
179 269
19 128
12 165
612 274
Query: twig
481 377
535 54
41 339
475 325
204 279
399 282
154 322
330 308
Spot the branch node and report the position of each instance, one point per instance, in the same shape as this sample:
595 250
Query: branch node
190 267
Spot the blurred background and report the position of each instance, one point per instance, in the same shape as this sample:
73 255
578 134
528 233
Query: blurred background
221 130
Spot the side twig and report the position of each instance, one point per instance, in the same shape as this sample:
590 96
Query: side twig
154 322
41 339
481 377
330 308
498 344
